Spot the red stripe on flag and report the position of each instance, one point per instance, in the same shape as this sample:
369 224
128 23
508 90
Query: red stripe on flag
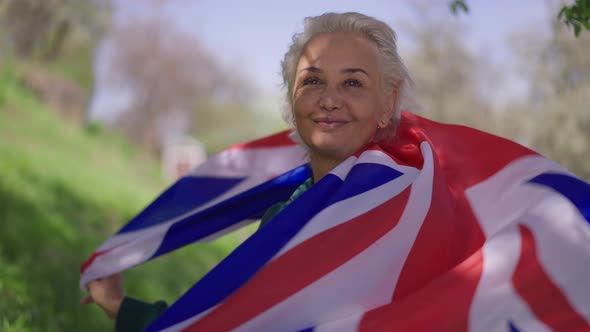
276 140
303 265
95 255
440 306
90 260
464 154
543 296
449 234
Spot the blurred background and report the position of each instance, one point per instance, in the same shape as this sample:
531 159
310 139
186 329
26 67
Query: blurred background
103 104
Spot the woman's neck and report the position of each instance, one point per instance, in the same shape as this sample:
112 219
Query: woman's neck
322 165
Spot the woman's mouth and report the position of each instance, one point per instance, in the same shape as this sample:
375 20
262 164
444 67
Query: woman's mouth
330 123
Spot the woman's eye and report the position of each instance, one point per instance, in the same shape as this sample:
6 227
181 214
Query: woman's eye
311 81
352 83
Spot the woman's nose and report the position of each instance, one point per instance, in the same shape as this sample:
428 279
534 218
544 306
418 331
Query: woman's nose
330 99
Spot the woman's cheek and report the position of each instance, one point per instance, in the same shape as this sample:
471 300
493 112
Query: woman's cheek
304 101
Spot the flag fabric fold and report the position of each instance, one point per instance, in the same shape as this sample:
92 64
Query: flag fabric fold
217 197
444 229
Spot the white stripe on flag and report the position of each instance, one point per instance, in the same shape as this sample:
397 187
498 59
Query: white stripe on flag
504 189
350 324
124 254
562 237
496 303
186 323
237 162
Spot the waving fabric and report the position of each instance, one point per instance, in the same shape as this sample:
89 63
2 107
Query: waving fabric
445 229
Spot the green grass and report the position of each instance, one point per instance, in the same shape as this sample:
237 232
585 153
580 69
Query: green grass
63 191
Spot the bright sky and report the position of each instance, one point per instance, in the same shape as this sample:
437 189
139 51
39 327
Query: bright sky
252 36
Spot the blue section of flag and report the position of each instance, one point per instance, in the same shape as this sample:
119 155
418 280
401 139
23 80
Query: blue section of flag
364 177
185 195
246 205
309 329
248 258
512 327
574 189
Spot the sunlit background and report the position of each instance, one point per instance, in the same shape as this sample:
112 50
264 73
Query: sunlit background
104 104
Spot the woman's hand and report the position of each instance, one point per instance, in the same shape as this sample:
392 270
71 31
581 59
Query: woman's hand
107 293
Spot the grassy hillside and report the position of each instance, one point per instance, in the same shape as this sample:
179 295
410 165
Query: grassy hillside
64 190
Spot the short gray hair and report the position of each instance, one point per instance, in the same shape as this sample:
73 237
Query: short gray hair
394 74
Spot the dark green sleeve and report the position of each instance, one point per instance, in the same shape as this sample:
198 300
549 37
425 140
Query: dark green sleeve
275 209
271 212
135 315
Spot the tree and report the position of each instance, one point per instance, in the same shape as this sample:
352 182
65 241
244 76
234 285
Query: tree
41 28
553 119
576 16
177 87
168 72
444 71
558 121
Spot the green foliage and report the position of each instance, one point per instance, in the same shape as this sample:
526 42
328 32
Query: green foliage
43 30
64 190
94 128
576 16
14 298
458 5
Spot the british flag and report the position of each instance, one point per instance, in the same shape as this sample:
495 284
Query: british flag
445 229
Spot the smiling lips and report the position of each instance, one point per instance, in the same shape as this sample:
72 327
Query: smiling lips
329 123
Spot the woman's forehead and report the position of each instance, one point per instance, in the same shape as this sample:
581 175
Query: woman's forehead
339 51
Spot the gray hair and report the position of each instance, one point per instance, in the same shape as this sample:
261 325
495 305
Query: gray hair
394 74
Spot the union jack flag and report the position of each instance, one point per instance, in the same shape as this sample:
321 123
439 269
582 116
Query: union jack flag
445 229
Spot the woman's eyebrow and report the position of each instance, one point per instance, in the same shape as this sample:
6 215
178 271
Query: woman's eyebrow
311 69
354 70
343 71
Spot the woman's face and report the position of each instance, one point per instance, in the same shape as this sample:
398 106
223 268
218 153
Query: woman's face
337 98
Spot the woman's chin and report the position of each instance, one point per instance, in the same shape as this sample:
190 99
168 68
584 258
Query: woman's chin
332 151
334 145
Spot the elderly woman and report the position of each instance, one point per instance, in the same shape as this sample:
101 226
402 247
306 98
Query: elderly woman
343 78
344 81
405 219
